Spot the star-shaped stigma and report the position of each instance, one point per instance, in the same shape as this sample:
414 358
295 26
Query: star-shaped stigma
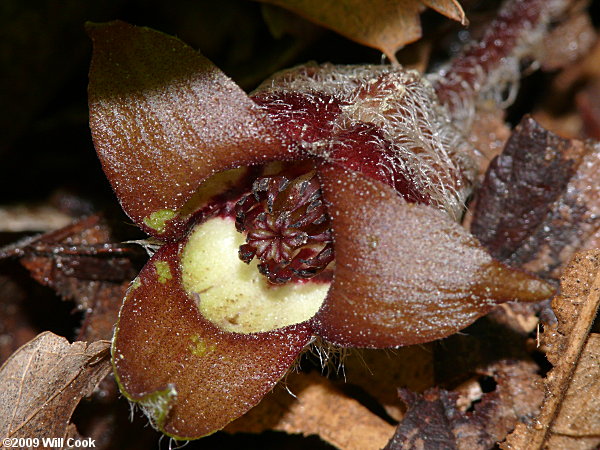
286 226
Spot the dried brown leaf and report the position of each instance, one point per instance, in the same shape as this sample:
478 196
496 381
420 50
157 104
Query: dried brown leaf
570 415
578 422
102 316
540 201
319 408
386 25
521 185
81 263
43 382
449 8
489 134
428 422
437 418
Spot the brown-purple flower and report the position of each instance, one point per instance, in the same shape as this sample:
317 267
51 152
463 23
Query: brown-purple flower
390 265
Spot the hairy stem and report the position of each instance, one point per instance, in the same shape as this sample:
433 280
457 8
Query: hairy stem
490 69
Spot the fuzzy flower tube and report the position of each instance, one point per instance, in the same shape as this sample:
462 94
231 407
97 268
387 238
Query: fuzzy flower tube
326 204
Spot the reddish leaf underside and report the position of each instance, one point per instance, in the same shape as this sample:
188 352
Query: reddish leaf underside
164 119
190 377
405 273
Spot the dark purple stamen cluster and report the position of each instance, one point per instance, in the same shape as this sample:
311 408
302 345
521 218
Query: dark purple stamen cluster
286 227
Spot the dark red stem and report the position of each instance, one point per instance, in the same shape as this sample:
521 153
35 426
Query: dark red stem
491 65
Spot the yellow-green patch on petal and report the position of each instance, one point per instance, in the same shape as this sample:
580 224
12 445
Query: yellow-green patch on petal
163 271
158 219
200 347
135 283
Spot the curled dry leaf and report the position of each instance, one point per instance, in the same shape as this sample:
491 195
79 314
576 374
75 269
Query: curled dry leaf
43 382
428 421
318 408
386 25
436 419
80 262
79 251
570 415
540 201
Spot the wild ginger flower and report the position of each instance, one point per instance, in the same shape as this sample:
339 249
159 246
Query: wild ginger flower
340 221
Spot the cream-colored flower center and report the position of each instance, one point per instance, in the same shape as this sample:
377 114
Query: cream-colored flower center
234 295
